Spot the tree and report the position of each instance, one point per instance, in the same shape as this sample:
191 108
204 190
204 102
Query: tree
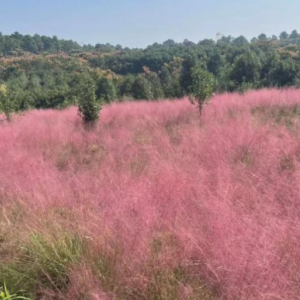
156 87
170 78
284 35
88 108
254 40
216 61
170 82
207 42
6 104
106 90
169 42
126 86
141 88
223 81
246 68
283 72
294 35
262 37
29 44
225 40
186 79
241 40
186 42
202 87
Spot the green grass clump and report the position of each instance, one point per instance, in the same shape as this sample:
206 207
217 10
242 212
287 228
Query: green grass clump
42 263
5 295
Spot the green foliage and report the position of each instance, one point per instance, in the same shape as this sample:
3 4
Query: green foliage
283 73
294 35
126 86
6 102
88 107
155 83
141 88
223 81
202 86
50 78
42 262
5 295
262 37
170 77
245 87
186 77
246 69
284 35
241 40
106 90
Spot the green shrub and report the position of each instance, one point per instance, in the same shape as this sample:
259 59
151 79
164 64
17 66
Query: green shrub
89 107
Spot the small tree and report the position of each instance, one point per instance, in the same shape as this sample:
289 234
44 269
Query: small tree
6 104
202 87
88 107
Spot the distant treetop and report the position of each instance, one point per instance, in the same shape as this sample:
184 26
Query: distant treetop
17 44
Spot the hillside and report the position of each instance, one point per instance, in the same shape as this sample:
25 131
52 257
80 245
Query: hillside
42 72
153 203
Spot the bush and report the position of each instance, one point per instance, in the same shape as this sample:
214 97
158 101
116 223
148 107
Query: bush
88 107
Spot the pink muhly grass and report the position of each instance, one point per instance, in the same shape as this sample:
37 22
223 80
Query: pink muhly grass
84 285
155 189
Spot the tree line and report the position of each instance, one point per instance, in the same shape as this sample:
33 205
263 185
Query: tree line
44 72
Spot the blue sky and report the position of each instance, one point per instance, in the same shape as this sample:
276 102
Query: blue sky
138 23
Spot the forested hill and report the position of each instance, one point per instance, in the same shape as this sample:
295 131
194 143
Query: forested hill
17 44
42 72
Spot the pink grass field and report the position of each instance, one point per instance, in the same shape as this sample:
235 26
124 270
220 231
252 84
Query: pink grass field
152 188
